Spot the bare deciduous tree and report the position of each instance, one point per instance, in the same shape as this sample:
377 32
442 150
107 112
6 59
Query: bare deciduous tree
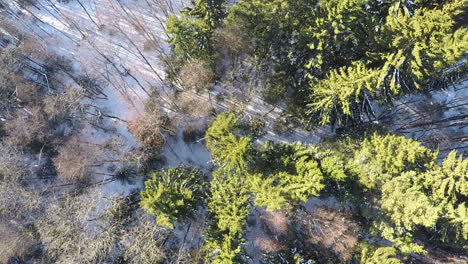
74 161
193 105
59 107
12 166
196 75
150 128
28 130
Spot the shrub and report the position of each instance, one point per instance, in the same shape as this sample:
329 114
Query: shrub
30 130
26 92
149 129
59 107
192 133
194 106
145 243
12 168
256 126
282 126
10 61
233 38
55 63
17 202
196 75
74 162
144 161
277 87
15 243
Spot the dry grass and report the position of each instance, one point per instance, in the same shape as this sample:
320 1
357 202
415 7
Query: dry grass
267 244
276 221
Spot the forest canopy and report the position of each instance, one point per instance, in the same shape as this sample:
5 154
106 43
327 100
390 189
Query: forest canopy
229 132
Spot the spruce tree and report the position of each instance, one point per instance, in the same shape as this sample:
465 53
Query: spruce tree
382 255
191 35
448 187
381 158
227 149
228 208
173 195
345 54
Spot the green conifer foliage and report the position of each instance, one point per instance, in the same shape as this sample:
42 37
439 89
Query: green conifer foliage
307 182
398 185
189 39
457 226
228 207
412 47
449 181
191 35
296 178
383 255
407 190
267 192
448 187
343 89
351 52
423 44
226 251
382 158
228 150
228 204
211 12
173 194
405 203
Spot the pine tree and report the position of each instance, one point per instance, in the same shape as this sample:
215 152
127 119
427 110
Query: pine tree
267 191
351 52
189 39
456 230
173 194
192 34
211 12
450 181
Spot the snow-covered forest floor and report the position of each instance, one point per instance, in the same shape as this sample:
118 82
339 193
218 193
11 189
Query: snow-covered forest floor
123 45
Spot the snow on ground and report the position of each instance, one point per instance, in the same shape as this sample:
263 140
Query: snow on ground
120 42
107 42
438 119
